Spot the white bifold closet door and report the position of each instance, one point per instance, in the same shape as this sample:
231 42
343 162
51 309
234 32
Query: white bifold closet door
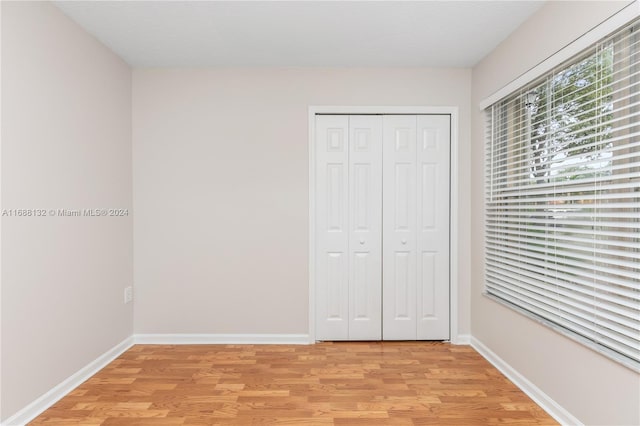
416 227
349 227
382 227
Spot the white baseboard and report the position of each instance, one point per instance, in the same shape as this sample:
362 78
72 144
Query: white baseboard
220 339
554 409
38 406
461 339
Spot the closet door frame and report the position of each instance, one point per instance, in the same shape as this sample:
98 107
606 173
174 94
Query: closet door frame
455 337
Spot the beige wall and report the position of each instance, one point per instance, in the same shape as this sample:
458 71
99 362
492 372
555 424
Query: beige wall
221 189
591 387
66 143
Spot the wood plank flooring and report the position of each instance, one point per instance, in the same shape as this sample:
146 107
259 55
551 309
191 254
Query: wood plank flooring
354 383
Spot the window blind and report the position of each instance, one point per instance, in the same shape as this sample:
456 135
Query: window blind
562 201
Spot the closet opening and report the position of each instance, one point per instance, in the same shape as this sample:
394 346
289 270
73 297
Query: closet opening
382 224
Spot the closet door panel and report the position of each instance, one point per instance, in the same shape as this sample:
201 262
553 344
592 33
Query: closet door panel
332 227
365 222
399 228
382 227
433 159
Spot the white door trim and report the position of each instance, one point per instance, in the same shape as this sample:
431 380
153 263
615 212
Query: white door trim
453 232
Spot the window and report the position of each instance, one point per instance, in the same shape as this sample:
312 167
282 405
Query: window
563 198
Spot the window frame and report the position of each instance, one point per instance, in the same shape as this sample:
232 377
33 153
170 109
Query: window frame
489 185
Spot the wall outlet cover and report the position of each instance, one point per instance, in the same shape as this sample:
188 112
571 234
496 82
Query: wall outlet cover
128 294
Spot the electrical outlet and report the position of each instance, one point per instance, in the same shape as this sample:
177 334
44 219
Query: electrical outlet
128 294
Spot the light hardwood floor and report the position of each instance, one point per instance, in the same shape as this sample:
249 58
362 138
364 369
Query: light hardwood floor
368 383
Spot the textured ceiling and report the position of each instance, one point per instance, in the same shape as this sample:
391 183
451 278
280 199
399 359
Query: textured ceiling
300 33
